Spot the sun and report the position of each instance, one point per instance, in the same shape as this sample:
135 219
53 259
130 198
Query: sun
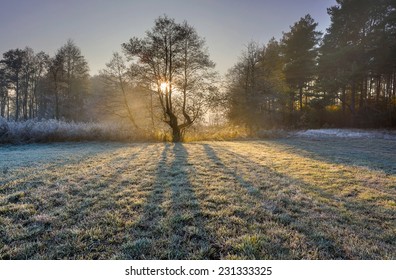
164 86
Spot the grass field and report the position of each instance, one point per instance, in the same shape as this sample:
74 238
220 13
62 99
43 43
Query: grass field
275 199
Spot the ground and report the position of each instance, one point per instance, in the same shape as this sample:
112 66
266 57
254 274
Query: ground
289 198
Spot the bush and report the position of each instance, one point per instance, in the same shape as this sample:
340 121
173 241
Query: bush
59 131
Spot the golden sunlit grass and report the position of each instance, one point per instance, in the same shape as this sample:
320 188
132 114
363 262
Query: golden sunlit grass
280 199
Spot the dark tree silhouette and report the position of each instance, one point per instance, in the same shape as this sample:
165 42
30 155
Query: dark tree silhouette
172 62
300 53
13 63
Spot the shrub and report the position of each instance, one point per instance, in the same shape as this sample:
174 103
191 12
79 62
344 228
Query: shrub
58 131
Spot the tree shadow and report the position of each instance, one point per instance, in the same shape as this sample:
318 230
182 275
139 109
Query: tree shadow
81 159
375 154
64 203
212 155
171 225
255 194
305 212
143 236
188 237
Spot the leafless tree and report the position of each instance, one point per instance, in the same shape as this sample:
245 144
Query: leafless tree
173 63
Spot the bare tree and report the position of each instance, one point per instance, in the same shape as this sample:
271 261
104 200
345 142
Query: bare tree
69 76
40 65
173 63
4 98
55 73
117 80
13 64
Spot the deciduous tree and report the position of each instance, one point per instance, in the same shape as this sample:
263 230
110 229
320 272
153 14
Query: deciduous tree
173 63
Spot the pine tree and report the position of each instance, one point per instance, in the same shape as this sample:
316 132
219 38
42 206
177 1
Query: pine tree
300 54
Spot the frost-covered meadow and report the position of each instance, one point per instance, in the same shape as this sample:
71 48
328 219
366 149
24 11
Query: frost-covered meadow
42 131
289 198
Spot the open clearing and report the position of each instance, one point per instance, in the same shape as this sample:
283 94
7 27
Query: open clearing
275 199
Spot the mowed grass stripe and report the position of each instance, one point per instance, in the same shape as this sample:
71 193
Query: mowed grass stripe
172 225
360 229
32 176
266 192
340 179
235 213
71 216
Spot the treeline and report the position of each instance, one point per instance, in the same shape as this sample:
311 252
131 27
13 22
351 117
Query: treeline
160 83
164 82
35 85
345 77
38 86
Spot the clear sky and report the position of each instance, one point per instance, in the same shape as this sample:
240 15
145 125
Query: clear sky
99 27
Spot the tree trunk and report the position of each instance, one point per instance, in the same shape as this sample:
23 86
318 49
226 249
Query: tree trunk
176 134
389 89
353 97
24 105
173 123
17 100
363 94
292 102
2 107
8 108
394 87
343 99
152 112
306 101
56 104
378 93
301 97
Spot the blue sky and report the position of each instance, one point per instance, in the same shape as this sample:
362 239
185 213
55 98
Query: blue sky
99 27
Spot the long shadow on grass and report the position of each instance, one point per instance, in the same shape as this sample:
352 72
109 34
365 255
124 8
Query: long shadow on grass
101 188
144 234
188 237
375 154
171 225
302 214
57 235
8 175
272 249
89 196
351 202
